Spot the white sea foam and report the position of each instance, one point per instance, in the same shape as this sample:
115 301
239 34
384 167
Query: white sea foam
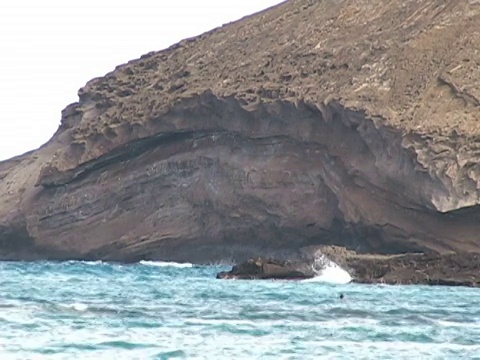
166 264
410 346
199 321
93 263
266 323
329 272
85 262
447 323
77 307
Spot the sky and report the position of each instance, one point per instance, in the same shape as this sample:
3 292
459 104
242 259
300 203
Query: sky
49 49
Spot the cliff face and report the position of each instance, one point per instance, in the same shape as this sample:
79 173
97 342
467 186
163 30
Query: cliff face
314 122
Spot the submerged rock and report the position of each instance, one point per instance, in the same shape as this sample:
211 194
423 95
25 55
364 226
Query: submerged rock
348 122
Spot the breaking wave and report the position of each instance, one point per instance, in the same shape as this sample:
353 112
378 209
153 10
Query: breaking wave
329 272
165 264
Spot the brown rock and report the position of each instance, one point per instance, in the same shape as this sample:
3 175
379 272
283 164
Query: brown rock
268 269
461 269
405 269
315 122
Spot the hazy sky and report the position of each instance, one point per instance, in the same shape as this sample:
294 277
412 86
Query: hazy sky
49 49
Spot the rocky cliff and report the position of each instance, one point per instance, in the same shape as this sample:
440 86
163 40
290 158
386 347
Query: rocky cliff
353 123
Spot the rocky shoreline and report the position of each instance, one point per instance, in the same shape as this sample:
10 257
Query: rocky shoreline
404 269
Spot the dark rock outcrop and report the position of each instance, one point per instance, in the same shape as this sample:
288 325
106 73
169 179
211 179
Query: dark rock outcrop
268 269
461 269
315 122
454 269
433 269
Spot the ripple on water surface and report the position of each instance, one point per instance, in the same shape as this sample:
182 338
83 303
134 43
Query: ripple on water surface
155 310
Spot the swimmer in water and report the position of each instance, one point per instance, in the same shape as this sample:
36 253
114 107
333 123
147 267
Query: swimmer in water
342 296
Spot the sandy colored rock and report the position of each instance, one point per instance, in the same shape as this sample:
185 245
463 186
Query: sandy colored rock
315 122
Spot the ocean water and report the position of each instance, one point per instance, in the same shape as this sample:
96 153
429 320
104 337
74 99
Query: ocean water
81 310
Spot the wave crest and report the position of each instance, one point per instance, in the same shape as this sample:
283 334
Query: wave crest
165 264
328 271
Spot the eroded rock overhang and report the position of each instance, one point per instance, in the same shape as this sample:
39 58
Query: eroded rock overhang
215 178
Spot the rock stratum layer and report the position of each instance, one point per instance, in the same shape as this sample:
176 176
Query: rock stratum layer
351 123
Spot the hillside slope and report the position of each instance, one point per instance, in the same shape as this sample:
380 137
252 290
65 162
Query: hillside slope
347 122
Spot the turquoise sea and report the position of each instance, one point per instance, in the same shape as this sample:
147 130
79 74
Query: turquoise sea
154 310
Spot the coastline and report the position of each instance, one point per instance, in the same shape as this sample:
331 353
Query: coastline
455 269
451 269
